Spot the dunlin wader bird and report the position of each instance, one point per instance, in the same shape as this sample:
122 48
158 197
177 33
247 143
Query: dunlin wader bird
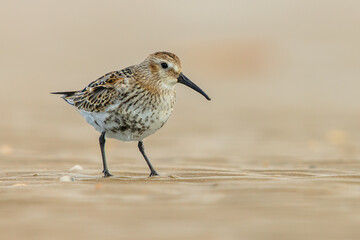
133 103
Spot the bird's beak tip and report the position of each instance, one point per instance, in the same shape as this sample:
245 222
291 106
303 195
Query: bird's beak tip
184 80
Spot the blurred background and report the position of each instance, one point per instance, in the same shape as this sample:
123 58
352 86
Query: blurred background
283 77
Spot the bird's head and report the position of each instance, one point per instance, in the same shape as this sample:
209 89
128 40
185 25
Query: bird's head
165 69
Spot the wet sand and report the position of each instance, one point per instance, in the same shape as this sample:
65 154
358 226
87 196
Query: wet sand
191 199
274 155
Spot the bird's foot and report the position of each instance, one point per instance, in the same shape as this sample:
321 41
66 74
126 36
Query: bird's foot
153 173
107 173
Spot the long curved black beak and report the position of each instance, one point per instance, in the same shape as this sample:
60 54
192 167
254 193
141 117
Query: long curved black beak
184 80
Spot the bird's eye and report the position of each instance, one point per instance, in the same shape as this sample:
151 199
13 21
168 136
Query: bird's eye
164 65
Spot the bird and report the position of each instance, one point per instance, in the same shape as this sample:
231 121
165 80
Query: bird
133 103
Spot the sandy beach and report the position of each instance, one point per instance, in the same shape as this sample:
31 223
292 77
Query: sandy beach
274 155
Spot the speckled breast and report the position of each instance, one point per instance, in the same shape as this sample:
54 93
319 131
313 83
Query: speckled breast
139 119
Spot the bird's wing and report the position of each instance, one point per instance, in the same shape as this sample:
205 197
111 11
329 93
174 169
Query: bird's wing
100 93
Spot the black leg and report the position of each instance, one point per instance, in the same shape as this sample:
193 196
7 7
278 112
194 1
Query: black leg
141 148
102 147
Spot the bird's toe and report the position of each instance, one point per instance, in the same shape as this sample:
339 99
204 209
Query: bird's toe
107 173
153 173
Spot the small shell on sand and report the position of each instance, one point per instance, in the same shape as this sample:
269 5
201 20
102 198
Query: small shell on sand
76 168
67 178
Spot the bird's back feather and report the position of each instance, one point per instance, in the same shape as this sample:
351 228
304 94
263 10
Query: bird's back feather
98 94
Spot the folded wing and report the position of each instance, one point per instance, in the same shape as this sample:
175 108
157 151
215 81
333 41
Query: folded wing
97 95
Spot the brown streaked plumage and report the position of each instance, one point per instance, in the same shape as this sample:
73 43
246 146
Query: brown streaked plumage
133 103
